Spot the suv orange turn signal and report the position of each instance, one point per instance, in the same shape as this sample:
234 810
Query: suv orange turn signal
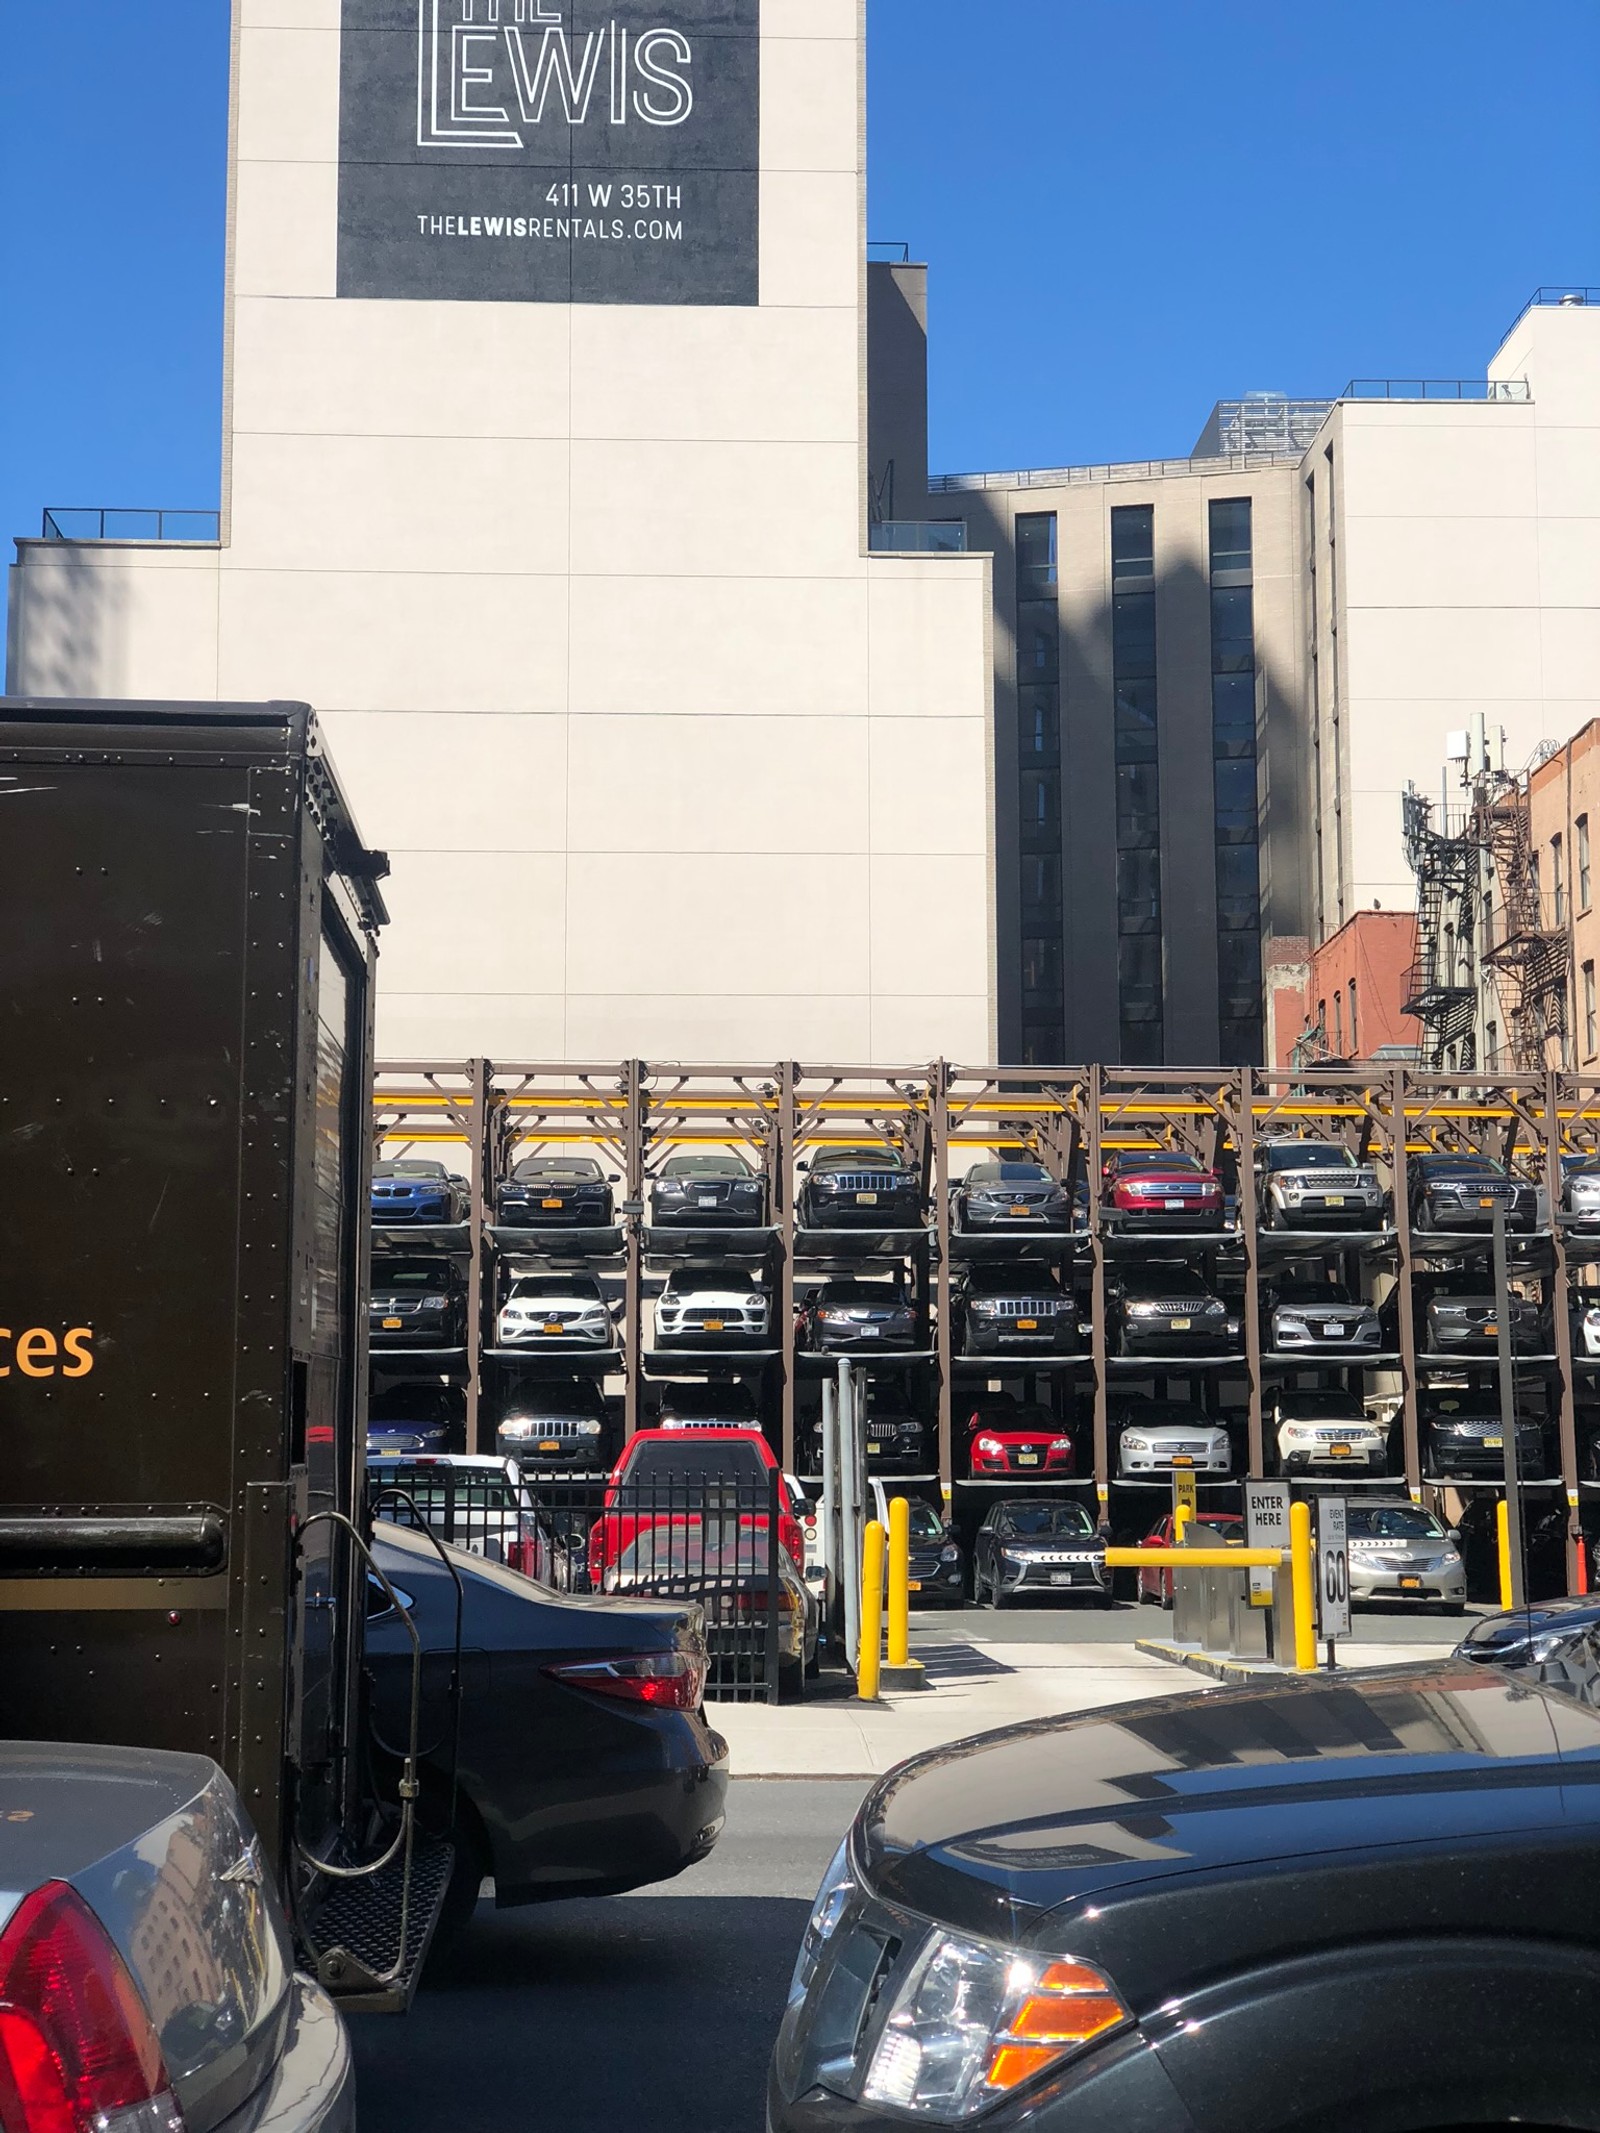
1068 2007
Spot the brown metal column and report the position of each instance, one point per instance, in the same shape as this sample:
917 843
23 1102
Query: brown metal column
781 1158
939 1100
1561 1327
1405 1319
1097 1306
1244 1141
633 1138
479 1216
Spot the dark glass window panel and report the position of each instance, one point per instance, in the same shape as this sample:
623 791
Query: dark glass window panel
1233 649
1136 722
1241 1041
1139 890
1138 804
1041 963
1133 536
1238 887
1239 974
1236 799
1133 636
1230 534
1038 640
1041 885
1042 1044
1041 804
1139 971
1233 713
1039 723
1036 552
1142 1043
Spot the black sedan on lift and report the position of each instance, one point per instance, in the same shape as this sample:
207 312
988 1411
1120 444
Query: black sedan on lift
557 1192
712 1189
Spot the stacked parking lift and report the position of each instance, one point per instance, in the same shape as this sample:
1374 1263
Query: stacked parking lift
942 1117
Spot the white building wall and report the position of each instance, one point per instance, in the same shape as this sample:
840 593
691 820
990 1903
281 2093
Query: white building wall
665 763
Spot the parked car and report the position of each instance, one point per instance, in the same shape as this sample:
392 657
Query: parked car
416 1303
1463 1436
1463 1191
716 1189
938 1561
585 1766
1462 1317
1398 1551
1165 1309
555 1310
1010 1436
1555 1643
1030 1544
1152 1189
1011 1195
557 1192
555 1422
727 1566
1021 1309
412 1189
1583 1306
710 1405
851 1317
808 1514
1159 1436
897 1436
1319 1318
147 1975
663 1472
1337 1901
713 1307
860 1188
1212 1529
417 1418
1327 1431
1580 1196
479 1504
1316 1185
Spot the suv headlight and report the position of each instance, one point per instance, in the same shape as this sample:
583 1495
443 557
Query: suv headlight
973 2021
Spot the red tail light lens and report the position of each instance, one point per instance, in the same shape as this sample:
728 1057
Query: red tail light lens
520 1556
668 1680
78 2053
790 1538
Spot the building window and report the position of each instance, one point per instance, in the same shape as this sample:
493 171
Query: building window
1039 787
1582 827
1140 962
1237 820
1355 1041
1589 1031
1491 1040
1558 877
1338 1025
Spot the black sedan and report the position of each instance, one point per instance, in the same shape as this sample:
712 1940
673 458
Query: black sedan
1030 1545
1011 1196
1020 1309
860 1188
716 1190
585 1765
1463 1437
856 1317
1342 1901
416 1303
1554 1642
1463 1191
557 1192
416 1189
1166 1310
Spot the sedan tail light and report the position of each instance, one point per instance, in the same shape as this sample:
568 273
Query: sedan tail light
667 1680
522 1555
78 2052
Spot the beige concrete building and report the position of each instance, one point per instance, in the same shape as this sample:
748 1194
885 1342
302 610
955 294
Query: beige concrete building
544 479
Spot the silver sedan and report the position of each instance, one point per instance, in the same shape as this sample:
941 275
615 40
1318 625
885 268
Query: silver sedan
136 1879
1398 1551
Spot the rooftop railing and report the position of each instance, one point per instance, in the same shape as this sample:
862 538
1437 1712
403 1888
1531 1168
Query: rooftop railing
1437 389
1129 470
1564 295
92 523
919 536
893 251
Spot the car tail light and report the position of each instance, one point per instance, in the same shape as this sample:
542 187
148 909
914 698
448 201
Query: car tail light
522 1555
755 1603
667 1680
790 1537
78 2052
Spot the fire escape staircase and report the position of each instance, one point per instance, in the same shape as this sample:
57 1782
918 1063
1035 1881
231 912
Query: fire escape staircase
1529 958
1439 991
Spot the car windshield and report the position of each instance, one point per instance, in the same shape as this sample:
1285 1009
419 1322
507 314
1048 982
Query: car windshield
1313 1292
428 1275
1154 1159
1391 1522
861 1292
706 1166
690 1282
1164 1414
1158 1281
1008 1174
1309 1155
1460 1166
416 1169
715 1401
858 1159
557 1169
530 1286
1321 1407
1028 1279
1037 1521
926 1524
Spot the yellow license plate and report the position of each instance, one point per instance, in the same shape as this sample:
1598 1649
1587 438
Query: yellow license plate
873 1450
1027 1325
549 1444
1486 1203
913 1584
1020 1207
1493 1332
550 1203
554 1325
391 1325
1494 1444
713 1325
1027 1458
1182 1459
866 1199
1411 1584
1335 1199
1340 1451
1182 1325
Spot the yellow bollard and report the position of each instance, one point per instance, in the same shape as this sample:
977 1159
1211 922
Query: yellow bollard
1180 1524
1303 1579
1502 1533
871 1654
899 1582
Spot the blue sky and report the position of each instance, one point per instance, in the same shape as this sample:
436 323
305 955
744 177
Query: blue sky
1129 210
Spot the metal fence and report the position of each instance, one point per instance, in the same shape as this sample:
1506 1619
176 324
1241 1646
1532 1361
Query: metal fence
91 522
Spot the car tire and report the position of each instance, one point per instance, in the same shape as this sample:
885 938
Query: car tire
791 1681
1168 1600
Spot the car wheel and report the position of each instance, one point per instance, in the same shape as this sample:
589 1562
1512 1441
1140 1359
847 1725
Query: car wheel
1453 1607
791 1681
1105 1601
1167 1598
997 1598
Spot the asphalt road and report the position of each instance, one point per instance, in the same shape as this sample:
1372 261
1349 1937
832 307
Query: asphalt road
650 2011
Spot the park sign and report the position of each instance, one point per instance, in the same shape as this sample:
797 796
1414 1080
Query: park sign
550 151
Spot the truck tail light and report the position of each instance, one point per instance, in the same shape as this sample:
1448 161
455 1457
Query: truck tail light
78 2052
521 1555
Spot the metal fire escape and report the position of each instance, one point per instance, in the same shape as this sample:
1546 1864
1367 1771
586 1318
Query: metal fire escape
1441 985
1528 958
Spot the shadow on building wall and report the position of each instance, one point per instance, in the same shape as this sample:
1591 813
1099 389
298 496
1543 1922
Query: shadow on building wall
67 625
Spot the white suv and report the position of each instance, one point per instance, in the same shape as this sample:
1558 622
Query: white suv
712 1307
555 1310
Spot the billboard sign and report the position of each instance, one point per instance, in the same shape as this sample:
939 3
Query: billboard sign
550 151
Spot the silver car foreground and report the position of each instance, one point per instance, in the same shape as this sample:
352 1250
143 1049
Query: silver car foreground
145 1967
1398 1551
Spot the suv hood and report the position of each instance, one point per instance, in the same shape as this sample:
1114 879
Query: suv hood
993 1834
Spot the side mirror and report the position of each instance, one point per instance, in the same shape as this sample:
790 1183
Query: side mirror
802 1166
613 1177
1453 1533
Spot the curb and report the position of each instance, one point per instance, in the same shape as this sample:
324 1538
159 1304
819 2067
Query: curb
1208 1663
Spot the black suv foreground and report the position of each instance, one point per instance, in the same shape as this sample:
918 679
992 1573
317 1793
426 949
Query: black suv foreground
1360 1903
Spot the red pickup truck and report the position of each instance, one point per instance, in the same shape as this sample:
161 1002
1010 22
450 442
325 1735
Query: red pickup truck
671 1474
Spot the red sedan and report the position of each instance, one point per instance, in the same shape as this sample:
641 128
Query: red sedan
1153 1189
1008 1436
1226 1531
